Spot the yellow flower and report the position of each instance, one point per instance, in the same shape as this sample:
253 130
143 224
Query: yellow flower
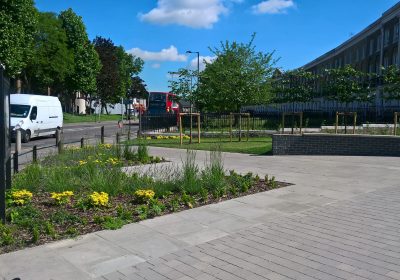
82 162
98 199
62 198
144 195
21 197
105 146
148 138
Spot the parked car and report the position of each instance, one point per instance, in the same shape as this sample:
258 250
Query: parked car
35 115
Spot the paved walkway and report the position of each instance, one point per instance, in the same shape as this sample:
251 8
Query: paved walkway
339 221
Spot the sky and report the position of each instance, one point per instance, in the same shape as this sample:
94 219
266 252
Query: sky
162 31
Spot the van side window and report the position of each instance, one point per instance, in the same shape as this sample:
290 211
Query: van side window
33 113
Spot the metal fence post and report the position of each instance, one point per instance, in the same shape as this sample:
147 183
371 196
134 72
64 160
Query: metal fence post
16 163
82 143
34 154
102 135
118 137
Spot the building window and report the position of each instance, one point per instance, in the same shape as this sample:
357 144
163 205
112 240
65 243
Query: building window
363 51
387 37
371 47
378 43
394 58
396 32
386 61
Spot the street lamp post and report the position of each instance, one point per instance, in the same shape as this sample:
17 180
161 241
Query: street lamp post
191 97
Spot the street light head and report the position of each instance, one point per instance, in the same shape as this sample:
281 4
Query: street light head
189 52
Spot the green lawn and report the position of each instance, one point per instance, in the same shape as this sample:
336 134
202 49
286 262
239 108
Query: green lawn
256 146
69 118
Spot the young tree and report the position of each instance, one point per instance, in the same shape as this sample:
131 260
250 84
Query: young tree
295 86
53 61
238 76
18 19
391 80
182 86
347 85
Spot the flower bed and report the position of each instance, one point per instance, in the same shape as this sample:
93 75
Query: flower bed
52 210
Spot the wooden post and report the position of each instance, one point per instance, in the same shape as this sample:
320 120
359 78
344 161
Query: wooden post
118 137
355 122
230 126
82 143
283 123
16 164
395 123
102 135
59 141
336 122
198 128
240 127
34 154
180 129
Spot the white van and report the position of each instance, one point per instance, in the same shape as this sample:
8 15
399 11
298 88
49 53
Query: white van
35 115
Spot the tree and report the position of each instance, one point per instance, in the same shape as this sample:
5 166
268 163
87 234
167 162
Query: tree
53 61
17 30
128 66
295 86
108 79
86 60
183 87
138 88
391 80
238 76
347 85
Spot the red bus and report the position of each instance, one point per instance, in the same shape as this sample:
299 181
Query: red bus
162 103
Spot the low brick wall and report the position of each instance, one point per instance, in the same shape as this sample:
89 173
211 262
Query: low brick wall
335 144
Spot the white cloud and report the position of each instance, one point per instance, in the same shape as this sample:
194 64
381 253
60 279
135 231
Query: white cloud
191 13
208 59
273 6
169 54
156 65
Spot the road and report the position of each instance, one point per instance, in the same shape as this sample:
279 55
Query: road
74 132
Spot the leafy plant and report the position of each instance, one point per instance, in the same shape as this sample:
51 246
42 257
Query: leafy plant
142 211
156 207
190 171
213 175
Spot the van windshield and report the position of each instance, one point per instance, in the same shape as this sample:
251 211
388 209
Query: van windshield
19 111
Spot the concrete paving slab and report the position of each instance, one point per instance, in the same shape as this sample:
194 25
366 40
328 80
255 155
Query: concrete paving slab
339 221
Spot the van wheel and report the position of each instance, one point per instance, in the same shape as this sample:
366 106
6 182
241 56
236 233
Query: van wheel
26 137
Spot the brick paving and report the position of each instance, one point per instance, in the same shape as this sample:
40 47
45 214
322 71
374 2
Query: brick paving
353 240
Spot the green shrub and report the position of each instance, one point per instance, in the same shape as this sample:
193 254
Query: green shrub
143 153
6 235
156 207
142 211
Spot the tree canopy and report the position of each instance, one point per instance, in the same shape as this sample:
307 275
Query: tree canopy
17 29
391 79
86 60
53 61
347 85
295 86
238 76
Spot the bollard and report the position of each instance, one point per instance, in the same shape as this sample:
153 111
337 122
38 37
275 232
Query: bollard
18 141
15 160
102 135
34 154
117 137
82 143
59 142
